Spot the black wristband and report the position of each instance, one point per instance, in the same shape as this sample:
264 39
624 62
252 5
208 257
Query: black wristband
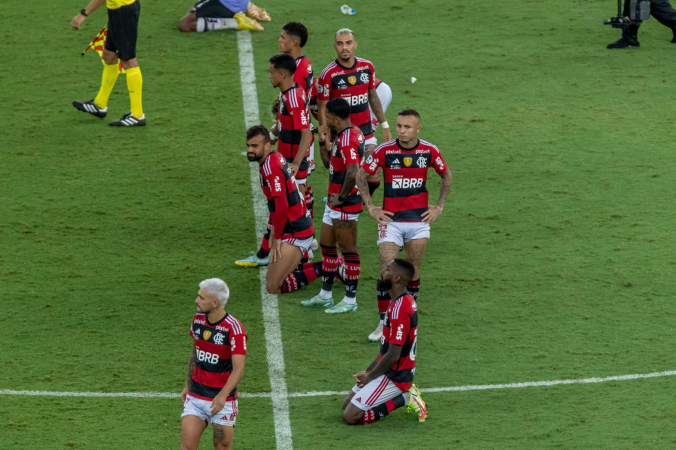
83 11
341 200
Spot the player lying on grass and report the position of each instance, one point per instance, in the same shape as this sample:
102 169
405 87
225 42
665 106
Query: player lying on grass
339 224
405 218
291 226
213 15
387 384
216 366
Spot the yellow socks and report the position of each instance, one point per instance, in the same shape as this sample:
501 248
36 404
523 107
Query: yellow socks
135 85
110 73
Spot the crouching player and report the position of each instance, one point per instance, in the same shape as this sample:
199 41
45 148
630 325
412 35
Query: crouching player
291 227
387 384
216 366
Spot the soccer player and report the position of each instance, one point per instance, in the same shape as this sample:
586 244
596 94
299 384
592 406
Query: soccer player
291 226
353 79
385 96
213 15
123 18
216 366
387 384
342 210
405 218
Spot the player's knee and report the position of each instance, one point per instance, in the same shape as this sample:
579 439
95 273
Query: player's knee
273 288
220 445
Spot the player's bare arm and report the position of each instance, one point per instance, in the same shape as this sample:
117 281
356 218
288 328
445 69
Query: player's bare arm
433 212
305 140
321 116
376 212
237 371
191 368
385 364
90 8
377 107
325 150
348 184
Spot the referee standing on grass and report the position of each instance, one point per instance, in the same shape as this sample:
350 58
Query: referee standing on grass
120 43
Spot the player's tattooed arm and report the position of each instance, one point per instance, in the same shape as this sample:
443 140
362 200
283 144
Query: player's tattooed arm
191 368
433 212
349 182
377 108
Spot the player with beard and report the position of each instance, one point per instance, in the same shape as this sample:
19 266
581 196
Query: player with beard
387 384
291 226
353 79
405 218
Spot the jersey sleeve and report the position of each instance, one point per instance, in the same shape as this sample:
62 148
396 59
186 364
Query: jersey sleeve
299 114
375 160
324 88
238 342
400 326
438 162
372 80
350 152
275 179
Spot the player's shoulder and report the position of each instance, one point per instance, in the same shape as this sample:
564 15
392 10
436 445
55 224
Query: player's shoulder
363 61
273 162
328 69
200 318
235 325
303 61
404 306
429 145
386 146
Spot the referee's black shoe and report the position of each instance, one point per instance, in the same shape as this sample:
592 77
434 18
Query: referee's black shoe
623 43
128 120
91 108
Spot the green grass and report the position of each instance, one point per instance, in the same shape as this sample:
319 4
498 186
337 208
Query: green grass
553 259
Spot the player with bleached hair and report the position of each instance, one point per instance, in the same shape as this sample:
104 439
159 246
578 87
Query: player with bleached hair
215 368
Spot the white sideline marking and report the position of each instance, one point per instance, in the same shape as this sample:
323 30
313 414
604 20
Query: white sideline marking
327 393
273 332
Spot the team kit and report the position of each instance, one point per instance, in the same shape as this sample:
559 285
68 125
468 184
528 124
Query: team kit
349 104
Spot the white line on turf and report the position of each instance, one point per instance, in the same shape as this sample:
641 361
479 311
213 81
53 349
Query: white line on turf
273 331
327 393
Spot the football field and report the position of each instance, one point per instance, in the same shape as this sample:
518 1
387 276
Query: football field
553 260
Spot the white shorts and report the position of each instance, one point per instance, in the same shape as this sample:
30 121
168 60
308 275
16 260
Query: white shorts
202 408
302 244
330 215
375 393
385 95
400 232
371 141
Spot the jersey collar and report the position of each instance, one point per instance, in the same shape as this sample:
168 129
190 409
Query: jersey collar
214 324
347 68
408 149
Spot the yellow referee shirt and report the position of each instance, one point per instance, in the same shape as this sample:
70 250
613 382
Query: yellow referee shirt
114 4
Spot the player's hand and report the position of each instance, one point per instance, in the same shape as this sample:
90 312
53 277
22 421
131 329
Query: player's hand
218 402
275 250
294 168
77 21
184 394
380 214
361 378
431 214
387 135
334 201
323 132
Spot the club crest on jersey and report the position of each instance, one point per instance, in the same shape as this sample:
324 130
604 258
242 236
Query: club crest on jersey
360 138
422 162
408 162
364 77
352 80
206 335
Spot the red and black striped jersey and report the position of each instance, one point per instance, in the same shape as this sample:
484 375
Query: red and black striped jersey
353 85
401 328
278 183
214 346
405 177
292 117
303 75
347 148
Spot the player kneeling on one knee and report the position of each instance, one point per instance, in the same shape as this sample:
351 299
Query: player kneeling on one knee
387 384
292 228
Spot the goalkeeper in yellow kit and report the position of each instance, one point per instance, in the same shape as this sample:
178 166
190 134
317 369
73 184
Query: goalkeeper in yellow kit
120 43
